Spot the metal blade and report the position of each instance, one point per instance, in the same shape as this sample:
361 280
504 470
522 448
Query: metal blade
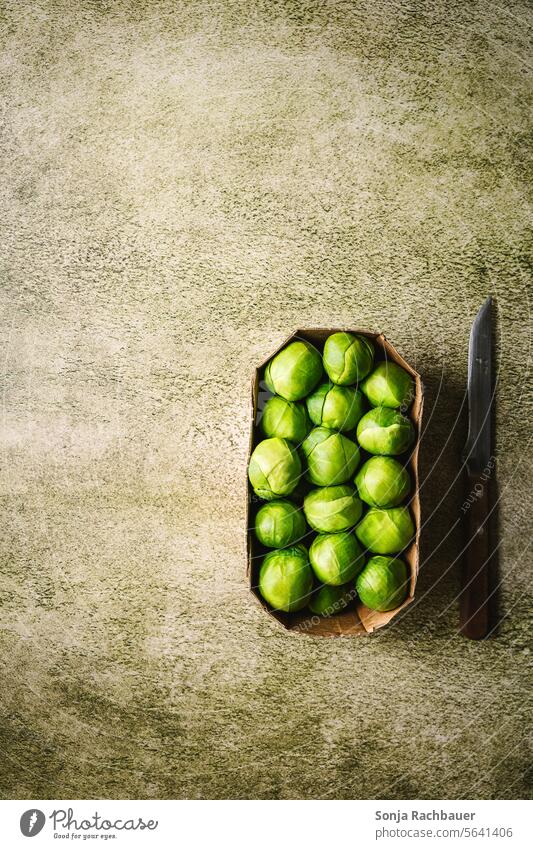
477 450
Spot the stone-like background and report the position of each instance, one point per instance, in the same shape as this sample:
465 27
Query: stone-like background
185 183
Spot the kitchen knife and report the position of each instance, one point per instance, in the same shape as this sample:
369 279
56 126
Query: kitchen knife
478 462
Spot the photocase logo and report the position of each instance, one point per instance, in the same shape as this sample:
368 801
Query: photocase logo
63 820
31 822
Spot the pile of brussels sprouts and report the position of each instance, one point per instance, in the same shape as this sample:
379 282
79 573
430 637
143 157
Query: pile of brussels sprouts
327 471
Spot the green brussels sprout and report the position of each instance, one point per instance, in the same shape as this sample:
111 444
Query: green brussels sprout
332 458
274 468
347 358
327 600
382 482
383 584
286 419
332 508
336 407
286 579
295 371
279 523
385 431
386 531
389 385
336 558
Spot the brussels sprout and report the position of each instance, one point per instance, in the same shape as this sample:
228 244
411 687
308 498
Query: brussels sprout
385 431
336 407
383 583
332 508
389 385
336 558
295 371
347 358
386 531
274 468
327 600
332 458
279 523
286 419
286 579
382 482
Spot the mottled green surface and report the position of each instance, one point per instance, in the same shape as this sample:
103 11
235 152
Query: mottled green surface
187 184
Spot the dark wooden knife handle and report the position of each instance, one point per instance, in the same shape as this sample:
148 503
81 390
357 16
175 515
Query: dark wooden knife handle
474 617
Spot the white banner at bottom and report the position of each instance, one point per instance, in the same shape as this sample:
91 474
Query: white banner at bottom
262 824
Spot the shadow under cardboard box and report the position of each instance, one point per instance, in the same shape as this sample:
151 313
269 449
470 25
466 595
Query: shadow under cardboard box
356 619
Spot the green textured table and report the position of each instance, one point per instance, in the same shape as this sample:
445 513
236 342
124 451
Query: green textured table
187 184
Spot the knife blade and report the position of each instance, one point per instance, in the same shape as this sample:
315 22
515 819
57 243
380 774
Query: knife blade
478 465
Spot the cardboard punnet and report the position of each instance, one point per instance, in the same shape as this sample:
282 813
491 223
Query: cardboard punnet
356 620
